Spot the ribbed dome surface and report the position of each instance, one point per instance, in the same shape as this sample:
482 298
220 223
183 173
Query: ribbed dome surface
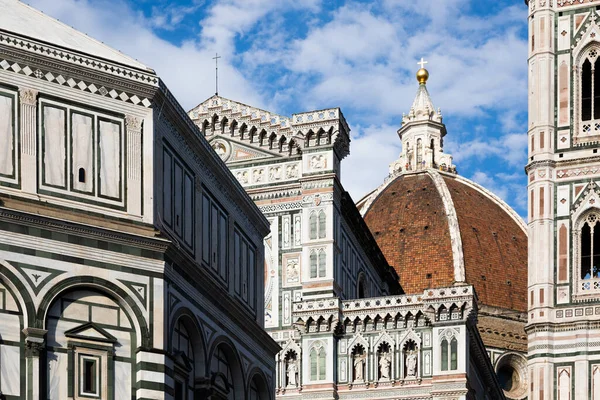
413 218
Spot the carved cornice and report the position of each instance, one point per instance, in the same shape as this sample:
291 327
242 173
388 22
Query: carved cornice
66 75
77 59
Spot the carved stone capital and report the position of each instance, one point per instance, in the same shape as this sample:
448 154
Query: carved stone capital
133 123
34 349
28 96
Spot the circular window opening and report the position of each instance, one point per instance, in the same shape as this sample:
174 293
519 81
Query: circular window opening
508 378
511 373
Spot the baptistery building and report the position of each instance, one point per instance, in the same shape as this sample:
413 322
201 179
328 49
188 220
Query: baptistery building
130 257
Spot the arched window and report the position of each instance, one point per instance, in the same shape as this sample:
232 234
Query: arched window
588 96
589 252
322 263
590 87
449 353
254 392
313 264
444 352
182 342
453 354
312 221
317 225
586 90
317 363
362 286
419 154
221 370
322 225
82 175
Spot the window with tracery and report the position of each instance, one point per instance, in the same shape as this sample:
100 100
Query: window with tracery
449 354
589 252
318 263
589 93
317 224
419 153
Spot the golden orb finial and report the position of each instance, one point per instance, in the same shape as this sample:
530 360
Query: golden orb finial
422 73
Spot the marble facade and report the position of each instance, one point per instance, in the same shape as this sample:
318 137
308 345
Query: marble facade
130 258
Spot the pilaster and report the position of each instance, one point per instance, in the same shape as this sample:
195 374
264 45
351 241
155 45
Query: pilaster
34 349
134 164
28 113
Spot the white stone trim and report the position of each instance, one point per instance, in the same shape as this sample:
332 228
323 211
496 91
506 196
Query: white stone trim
453 227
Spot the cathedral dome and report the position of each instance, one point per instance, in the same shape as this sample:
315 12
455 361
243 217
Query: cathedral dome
438 229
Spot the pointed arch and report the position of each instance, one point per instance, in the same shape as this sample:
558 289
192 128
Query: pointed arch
213 123
243 130
224 123
232 127
252 134
282 141
261 137
272 140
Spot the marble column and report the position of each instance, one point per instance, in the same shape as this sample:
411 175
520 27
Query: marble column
34 348
28 127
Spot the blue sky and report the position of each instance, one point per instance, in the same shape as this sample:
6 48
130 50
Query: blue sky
292 56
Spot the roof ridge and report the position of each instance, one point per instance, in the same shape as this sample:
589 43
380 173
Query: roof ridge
73 45
453 225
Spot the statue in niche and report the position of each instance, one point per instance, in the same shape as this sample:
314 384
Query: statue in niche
411 363
292 373
359 366
385 362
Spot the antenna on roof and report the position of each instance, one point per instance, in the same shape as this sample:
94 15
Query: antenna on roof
216 58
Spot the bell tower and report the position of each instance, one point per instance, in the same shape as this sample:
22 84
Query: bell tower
563 169
422 133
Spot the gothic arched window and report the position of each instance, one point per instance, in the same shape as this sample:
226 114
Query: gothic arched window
589 251
588 95
322 263
312 221
586 91
322 224
313 264
444 352
453 354
419 153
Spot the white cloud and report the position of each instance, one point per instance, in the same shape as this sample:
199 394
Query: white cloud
372 149
187 69
510 148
